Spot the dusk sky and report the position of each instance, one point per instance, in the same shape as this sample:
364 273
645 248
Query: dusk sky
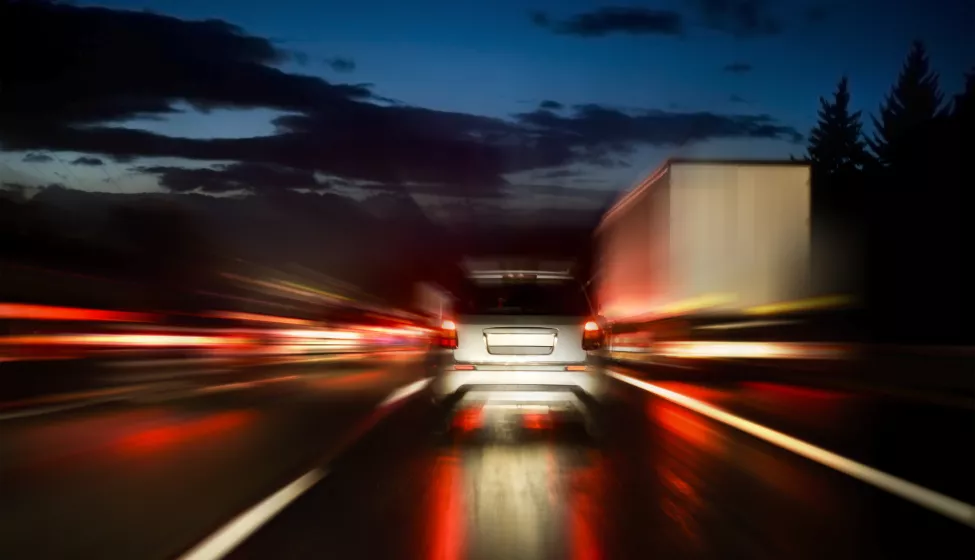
512 104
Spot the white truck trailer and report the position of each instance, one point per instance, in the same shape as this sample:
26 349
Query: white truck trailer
704 243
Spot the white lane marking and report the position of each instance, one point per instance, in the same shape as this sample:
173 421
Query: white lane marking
229 536
945 505
406 391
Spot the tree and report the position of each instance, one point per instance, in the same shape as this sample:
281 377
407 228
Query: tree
837 154
836 144
908 114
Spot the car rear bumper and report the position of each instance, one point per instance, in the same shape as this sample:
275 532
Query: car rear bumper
541 384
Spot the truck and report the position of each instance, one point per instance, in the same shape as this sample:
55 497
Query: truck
713 250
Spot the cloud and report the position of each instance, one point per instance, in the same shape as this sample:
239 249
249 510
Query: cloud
575 194
740 18
87 160
738 67
614 19
341 64
558 174
234 177
735 98
598 130
550 105
35 157
137 64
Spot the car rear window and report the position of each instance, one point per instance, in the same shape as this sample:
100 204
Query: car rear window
528 299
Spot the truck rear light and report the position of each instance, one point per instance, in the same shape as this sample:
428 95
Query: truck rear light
462 367
448 335
575 368
592 336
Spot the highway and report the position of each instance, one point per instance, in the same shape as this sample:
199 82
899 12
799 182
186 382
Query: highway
355 462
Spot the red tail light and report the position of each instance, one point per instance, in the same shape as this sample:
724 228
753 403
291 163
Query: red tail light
448 335
592 336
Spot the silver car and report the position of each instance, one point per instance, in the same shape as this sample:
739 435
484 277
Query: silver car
523 338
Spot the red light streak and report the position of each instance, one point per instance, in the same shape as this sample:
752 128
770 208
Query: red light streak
239 316
53 313
156 438
469 419
447 510
137 340
536 420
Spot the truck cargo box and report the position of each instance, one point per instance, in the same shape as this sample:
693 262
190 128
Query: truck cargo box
706 237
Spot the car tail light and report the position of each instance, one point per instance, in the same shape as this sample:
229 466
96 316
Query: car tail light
592 336
448 335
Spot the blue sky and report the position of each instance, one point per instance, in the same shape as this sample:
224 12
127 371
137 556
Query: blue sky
491 59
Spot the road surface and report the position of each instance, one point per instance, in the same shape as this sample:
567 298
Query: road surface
344 463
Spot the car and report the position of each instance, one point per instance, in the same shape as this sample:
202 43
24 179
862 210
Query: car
520 337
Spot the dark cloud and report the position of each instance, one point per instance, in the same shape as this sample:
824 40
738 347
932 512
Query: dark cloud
551 105
341 64
35 157
101 66
735 98
568 194
741 18
614 19
233 177
87 160
604 130
738 67
558 174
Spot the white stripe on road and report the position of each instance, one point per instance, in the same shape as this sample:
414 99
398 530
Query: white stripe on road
244 525
229 537
403 392
934 501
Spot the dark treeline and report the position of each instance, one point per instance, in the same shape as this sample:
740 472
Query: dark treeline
901 201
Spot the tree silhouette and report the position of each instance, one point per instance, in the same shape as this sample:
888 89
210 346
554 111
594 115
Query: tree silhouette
918 288
836 144
906 117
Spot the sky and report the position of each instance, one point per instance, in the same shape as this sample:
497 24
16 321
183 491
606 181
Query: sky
519 107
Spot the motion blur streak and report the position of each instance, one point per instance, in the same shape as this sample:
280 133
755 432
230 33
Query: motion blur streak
945 505
713 349
155 439
232 534
123 340
52 313
449 519
404 392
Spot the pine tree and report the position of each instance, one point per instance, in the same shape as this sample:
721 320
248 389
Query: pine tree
836 145
908 112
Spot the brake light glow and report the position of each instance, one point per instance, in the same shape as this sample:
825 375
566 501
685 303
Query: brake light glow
448 335
592 336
